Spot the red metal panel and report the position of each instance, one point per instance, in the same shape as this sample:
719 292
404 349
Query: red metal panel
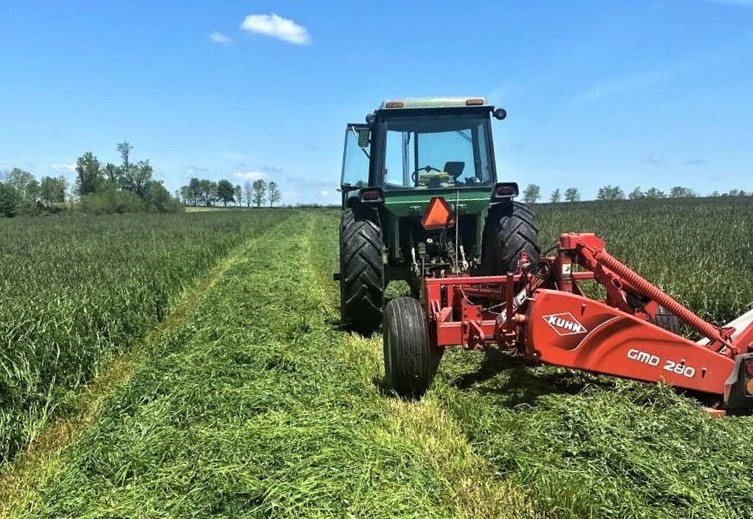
573 331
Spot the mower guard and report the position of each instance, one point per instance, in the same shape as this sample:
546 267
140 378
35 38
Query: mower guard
542 313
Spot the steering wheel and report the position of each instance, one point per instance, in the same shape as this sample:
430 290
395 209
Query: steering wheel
427 168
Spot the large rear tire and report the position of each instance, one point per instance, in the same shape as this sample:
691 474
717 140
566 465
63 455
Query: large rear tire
361 272
511 231
410 358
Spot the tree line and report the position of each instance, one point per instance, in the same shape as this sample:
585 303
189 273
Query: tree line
532 194
99 188
208 192
22 193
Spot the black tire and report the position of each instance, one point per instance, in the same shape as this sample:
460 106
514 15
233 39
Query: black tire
361 273
667 320
410 358
511 231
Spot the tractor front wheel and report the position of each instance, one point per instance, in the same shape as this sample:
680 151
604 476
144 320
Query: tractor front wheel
361 273
410 358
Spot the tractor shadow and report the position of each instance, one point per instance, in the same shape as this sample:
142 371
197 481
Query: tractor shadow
516 381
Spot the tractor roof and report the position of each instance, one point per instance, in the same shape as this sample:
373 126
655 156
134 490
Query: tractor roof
433 102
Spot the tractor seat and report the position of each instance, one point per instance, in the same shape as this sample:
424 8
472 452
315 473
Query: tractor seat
454 169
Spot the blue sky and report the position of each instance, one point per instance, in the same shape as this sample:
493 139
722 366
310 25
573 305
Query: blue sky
630 93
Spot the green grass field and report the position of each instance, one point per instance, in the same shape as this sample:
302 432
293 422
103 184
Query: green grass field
219 384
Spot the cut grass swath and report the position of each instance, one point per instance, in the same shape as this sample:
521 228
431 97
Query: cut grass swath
75 292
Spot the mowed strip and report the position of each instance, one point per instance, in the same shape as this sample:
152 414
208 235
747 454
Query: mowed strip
468 484
255 406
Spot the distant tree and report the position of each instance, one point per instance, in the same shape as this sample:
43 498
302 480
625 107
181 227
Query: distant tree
112 174
124 148
208 191
248 190
225 191
137 176
274 193
52 190
556 196
212 192
32 191
681 192
238 192
24 183
157 197
194 191
572 194
531 194
8 200
89 174
260 192
654 193
714 194
636 194
610 193
736 192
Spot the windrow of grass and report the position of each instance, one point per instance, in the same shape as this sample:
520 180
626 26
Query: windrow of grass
258 406
77 292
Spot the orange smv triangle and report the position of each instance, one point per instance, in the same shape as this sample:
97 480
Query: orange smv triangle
438 215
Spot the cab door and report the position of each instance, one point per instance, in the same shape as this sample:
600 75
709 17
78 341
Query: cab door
355 171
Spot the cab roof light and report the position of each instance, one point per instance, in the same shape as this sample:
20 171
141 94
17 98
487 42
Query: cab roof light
474 101
394 104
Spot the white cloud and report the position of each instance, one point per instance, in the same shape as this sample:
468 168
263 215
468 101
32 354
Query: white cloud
325 194
652 159
696 162
220 38
278 27
192 171
249 175
64 168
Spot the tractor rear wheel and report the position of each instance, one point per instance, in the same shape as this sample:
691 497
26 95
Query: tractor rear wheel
361 272
511 232
410 358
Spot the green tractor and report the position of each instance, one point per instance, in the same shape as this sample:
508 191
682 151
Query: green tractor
421 198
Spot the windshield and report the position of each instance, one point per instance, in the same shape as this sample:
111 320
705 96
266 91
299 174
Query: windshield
431 151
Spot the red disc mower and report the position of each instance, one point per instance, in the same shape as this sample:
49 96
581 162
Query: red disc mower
543 313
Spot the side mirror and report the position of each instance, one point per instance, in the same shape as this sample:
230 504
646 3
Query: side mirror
363 138
500 113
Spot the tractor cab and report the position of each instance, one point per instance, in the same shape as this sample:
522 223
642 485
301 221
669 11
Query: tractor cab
421 145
